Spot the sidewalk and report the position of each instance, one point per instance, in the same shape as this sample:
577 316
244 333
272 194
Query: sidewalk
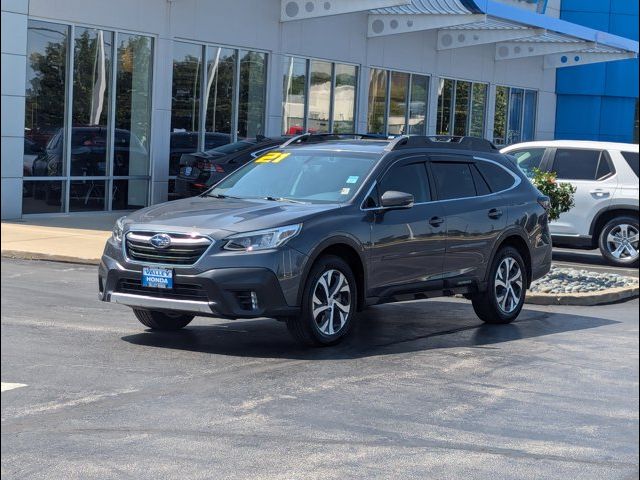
70 238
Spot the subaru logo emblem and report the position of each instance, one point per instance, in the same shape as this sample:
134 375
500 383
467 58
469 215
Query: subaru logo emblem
160 240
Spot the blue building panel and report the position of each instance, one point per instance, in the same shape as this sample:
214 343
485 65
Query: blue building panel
615 113
597 101
578 116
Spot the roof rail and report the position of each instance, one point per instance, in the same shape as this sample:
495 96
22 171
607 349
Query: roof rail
441 141
309 137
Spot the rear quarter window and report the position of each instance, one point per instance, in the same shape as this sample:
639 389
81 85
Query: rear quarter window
497 177
632 160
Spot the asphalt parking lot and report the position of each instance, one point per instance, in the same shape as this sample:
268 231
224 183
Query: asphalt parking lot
421 390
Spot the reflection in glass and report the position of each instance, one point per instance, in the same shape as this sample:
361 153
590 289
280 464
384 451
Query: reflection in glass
445 97
294 86
398 103
377 101
45 98
221 71
478 107
500 116
91 92
133 105
129 194
185 102
251 97
515 116
344 98
529 119
42 197
463 97
185 91
418 104
87 195
319 96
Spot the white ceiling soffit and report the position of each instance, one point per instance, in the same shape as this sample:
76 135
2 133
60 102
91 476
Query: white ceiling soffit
301 9
380 25
491 30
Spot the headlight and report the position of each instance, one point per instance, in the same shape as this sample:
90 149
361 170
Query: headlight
117 230
262 239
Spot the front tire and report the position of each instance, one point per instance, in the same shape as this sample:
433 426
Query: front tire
328 304
618 242
504 298
162 321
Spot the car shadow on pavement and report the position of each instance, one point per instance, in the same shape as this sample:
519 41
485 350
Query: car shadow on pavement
380 330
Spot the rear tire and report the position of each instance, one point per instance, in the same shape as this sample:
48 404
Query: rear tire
506 289
162 321
618 241
328 304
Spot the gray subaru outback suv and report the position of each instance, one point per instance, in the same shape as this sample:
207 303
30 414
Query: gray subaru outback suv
311 233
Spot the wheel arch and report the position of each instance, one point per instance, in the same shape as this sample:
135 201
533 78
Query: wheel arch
607 214
351 252
516 239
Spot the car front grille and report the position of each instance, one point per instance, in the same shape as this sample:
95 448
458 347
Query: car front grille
182 248
180 291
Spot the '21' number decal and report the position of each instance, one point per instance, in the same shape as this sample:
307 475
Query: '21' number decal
272 157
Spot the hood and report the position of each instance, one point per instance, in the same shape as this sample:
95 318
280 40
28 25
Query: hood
220 216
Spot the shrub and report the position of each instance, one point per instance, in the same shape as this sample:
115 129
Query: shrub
560 194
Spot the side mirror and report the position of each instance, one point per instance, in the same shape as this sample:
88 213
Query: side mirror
393 199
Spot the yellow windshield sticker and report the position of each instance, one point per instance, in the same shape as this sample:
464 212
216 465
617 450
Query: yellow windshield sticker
272 157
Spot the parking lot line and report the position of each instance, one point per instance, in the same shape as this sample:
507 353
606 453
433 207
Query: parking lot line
11 386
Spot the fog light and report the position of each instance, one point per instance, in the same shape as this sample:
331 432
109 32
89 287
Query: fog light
254 301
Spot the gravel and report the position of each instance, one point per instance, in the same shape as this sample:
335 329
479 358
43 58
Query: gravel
571 280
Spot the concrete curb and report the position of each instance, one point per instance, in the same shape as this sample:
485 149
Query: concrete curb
16 254
583 299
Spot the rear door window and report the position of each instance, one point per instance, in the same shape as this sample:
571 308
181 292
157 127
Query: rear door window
453 180
632 160
576 164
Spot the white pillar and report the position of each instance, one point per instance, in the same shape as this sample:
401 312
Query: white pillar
14 67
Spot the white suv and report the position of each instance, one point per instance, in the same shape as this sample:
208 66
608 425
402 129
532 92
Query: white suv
606 200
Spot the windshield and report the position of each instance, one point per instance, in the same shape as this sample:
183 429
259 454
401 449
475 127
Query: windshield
307 176
232 147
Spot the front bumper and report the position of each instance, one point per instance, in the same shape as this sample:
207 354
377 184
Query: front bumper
231 292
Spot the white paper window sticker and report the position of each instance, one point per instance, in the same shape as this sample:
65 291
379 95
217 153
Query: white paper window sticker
345 191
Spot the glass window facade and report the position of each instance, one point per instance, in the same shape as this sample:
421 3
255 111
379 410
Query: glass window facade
83 132
397 102
318 96
461 108
515 115
214 101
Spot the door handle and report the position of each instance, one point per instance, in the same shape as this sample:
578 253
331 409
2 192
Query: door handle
495 213
599 192
436 221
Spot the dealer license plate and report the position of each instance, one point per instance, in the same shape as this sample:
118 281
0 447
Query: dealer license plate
154 277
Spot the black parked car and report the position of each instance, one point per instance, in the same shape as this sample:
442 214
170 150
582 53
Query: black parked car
313 232
187 142
199 170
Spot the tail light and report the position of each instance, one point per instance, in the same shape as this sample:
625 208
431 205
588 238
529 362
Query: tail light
219 169
544 202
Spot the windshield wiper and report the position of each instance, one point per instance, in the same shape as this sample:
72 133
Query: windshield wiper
283 199
218 195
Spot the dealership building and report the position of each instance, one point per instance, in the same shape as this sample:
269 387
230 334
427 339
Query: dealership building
100 98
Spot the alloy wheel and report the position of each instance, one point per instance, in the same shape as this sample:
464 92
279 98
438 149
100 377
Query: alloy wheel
331 302
622 242
508 284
